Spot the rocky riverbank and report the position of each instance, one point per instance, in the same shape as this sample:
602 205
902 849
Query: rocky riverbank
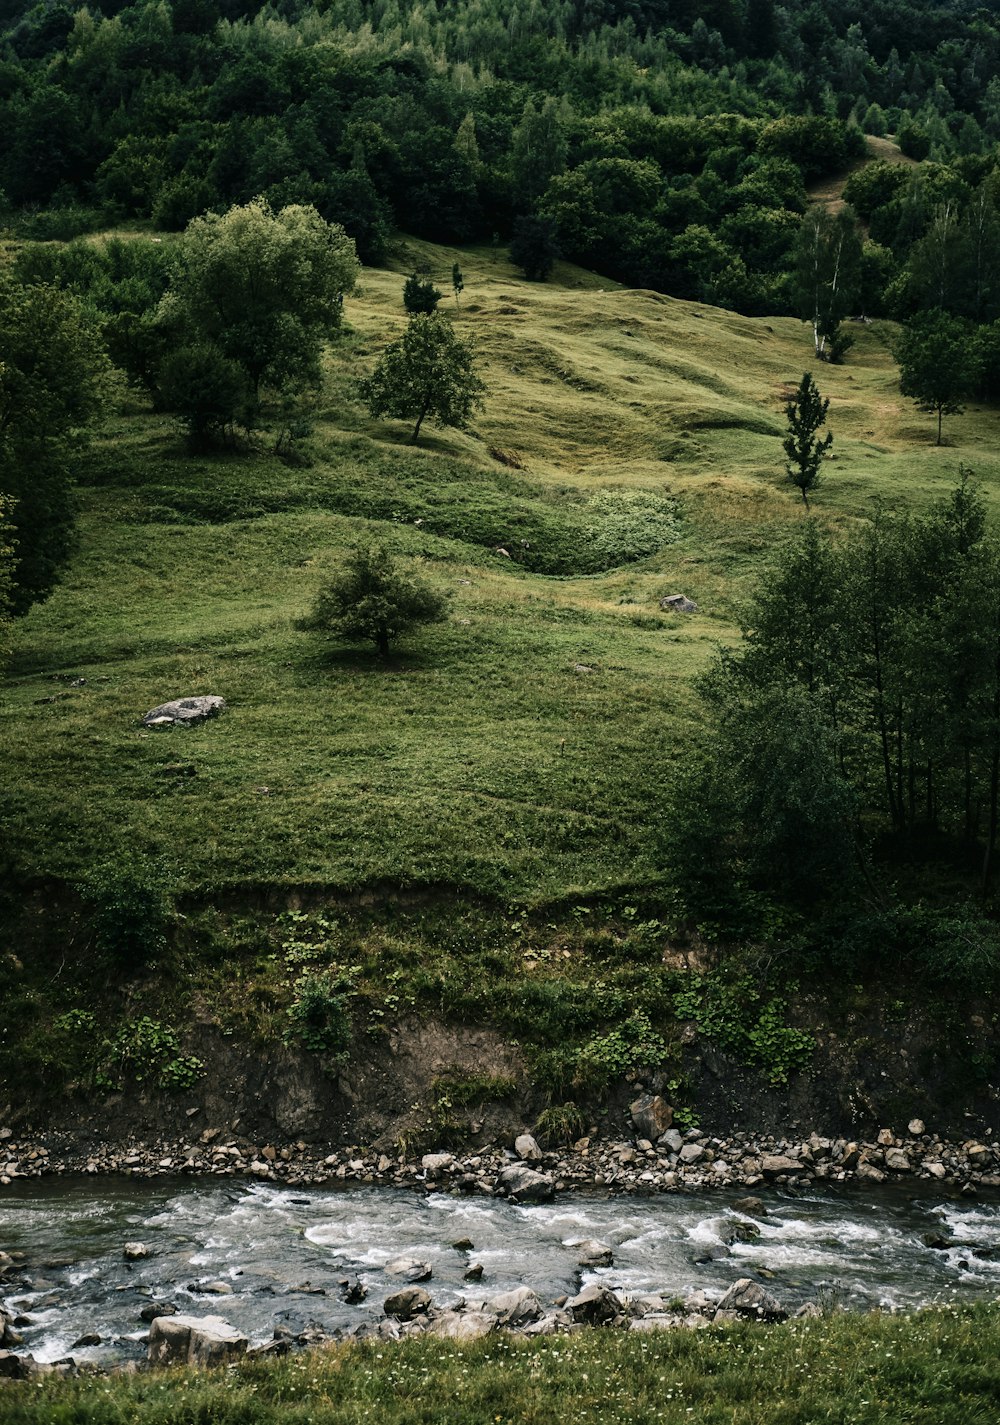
653 1157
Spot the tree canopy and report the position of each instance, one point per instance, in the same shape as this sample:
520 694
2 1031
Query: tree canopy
372 601
54 381
266 288
938 364
428 372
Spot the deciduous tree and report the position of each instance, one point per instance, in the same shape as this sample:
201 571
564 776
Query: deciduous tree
938 364
267 289
429 371
371 601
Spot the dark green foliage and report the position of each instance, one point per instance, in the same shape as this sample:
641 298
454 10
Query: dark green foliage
629 125
130 910
938 363
805 413
457 282
208 391
53 379
372 601
320 1012
913 139
266 288
864 702
534 246
420 294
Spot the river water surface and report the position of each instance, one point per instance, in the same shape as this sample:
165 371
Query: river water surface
284 1252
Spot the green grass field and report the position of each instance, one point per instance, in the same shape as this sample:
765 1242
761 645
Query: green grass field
482 756
938 1367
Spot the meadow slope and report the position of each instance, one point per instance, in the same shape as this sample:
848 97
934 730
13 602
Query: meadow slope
483 756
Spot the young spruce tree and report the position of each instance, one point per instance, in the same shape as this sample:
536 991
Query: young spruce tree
806 412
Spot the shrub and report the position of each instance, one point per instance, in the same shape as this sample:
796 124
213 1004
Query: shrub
130 910
420 295
371 600
320 1013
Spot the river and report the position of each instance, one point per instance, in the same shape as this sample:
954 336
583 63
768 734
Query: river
284 1252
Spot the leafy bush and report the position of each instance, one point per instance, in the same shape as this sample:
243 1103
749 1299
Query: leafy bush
320 1012
371 600
146 1051
560 1124
131 910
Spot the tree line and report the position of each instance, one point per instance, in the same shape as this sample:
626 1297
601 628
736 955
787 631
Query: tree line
666 143
856 729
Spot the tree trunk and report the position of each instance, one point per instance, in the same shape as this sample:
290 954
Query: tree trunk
939 426
382 643
420 420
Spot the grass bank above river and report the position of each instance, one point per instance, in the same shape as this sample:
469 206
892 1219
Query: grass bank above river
937 1367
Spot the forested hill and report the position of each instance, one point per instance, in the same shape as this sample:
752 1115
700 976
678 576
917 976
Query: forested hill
667 143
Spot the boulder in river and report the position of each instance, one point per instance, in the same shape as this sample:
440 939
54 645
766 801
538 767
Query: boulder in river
135 1251
593 1254
406 1304
194 1341
410 1268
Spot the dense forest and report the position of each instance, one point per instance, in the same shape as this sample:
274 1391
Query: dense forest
667 144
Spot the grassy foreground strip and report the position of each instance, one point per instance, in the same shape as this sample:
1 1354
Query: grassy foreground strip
938 1366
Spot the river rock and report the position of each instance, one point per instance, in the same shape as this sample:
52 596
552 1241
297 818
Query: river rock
157 1308
514 1308
184 711
135 1251
436 1165
593 1254
771 1164
651 1115
692 1153
898 1161
527 1149
916 1128
406 1304
595 1305
462 1325
525 1185
194 1341
89 1338
473 1273
411 1268
747 1298
750 1206
15 1367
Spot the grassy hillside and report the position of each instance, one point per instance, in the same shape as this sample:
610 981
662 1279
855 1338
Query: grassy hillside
521 748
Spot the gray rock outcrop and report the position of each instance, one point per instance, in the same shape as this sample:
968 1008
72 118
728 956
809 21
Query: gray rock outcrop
182 712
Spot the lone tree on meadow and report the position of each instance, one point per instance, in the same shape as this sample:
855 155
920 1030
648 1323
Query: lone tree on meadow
429 371
371 601
938 364
806 412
